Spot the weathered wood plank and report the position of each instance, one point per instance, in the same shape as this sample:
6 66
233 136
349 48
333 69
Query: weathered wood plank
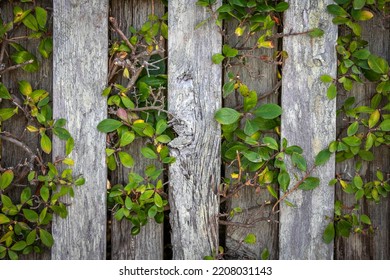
359 246
42 79
308 120
148 244
194 95
80 73
262 78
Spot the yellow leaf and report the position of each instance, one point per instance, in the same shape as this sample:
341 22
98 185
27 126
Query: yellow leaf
139 121
159 148
343 184
32 128
234 175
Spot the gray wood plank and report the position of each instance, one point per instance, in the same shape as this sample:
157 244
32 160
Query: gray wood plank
80 73
308 120
262 78
148 244
194 86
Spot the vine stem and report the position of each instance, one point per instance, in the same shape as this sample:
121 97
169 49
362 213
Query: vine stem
14 67
293 189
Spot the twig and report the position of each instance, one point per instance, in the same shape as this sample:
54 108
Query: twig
14 67
134 78
114 24
293 189
8 137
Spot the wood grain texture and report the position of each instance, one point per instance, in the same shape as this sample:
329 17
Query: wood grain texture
42 79
80 73
376 246
309 121
262 77
148 244
194 95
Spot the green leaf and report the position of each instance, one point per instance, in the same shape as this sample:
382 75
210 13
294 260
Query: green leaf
365 219
69 146
352 141
163 139
316 32
31 22
228 88
148 153
228 51
329 233
252 156
45 193
19 246
109 125
31 237
45 143
281 7
126 159
265 254
135 230
161 126
284 180
4 219
268 111
6 179
250 239
7 113
4 93
326 79
331 92
62 133
46 238
158 200
41 15
322 157
126 138
336 10
271 143
80 181
358 4
272 191
152 211
385 125
299 161
250 101
366 155
227 116
378 64
374 118
353 128
362 54
30 215
310 183
217 58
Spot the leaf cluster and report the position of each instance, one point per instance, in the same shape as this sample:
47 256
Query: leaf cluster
25 219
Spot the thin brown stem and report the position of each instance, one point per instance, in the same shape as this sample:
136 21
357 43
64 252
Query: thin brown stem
114 24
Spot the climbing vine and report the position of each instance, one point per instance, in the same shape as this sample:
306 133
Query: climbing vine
366 126
138 113
30 190
251 135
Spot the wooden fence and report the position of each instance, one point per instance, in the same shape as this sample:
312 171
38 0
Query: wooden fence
76 76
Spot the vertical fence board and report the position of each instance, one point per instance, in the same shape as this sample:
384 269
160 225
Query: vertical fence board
373 246
308 120
80 73
11 154
262 78
194 85
148 244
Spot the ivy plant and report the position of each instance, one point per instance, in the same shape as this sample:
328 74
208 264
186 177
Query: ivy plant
30 190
